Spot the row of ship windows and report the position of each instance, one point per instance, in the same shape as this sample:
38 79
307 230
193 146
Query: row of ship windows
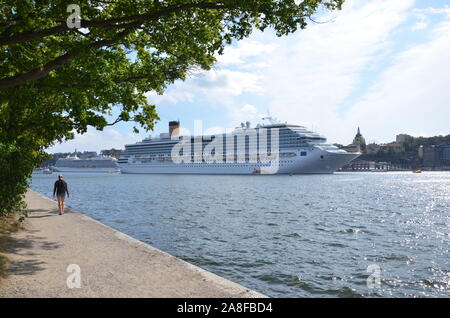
302 154
152 149
223 165
289 140
281 136
235 141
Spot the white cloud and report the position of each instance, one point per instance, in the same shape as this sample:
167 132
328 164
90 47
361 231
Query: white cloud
243 51
217 86
214 130
245 113
316 81
221 85
423 16
94 140
227 82
314 73
174 97
430 10
411 96
420 25
316 70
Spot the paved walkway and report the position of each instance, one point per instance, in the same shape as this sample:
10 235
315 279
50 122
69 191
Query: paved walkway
111 263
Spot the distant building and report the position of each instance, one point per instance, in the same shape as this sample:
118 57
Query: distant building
401 139
430 156
445 155
420 152
364 165
372 148
395 147
112 153
85 154
435 156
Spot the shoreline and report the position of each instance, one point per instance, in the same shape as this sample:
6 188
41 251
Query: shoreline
49 253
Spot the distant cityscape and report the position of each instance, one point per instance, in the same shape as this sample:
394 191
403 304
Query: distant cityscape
405 153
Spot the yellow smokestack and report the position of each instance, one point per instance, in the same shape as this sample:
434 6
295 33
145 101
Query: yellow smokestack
174 128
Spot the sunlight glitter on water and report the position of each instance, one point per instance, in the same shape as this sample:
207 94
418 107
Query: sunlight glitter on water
265 232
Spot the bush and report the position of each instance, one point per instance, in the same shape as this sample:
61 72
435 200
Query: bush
16 166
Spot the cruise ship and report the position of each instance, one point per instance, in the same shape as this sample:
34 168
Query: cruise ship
269 148
95 164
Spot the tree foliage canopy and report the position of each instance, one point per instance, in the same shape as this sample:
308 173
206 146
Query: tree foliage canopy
124 49
55 80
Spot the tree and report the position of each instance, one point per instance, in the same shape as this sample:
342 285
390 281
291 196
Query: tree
56 80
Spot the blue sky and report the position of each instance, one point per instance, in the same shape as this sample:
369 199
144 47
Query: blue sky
383 65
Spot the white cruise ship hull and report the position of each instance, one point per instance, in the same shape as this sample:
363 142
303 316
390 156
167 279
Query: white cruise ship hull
317 162
87 170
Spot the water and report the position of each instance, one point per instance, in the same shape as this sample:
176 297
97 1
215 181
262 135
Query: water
286 236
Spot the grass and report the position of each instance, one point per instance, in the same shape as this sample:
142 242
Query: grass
8 225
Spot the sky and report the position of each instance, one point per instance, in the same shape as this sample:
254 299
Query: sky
381 65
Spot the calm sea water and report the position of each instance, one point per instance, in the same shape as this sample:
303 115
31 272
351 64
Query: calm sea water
286 236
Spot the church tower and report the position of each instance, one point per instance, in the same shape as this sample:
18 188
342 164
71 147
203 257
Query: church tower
360 141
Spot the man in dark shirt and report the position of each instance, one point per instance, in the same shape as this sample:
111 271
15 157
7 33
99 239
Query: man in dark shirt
60 189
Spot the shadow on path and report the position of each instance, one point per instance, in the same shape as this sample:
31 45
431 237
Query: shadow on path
27 267
3 266
21 258
38 213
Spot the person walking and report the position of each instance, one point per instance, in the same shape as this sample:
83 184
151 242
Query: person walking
60 189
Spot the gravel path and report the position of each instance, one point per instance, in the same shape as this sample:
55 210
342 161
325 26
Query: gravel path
47 256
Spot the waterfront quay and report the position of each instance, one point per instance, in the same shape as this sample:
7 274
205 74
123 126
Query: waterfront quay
74 255
364 165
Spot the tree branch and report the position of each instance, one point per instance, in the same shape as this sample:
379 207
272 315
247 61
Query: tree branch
107 24
30 36
42 71
7 23
118 119
39 72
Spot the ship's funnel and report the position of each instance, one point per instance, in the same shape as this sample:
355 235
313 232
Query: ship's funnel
174 128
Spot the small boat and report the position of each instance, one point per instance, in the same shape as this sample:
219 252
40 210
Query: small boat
417 171
47 171
256 171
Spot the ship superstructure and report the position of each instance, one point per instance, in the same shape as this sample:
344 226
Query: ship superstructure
95 164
